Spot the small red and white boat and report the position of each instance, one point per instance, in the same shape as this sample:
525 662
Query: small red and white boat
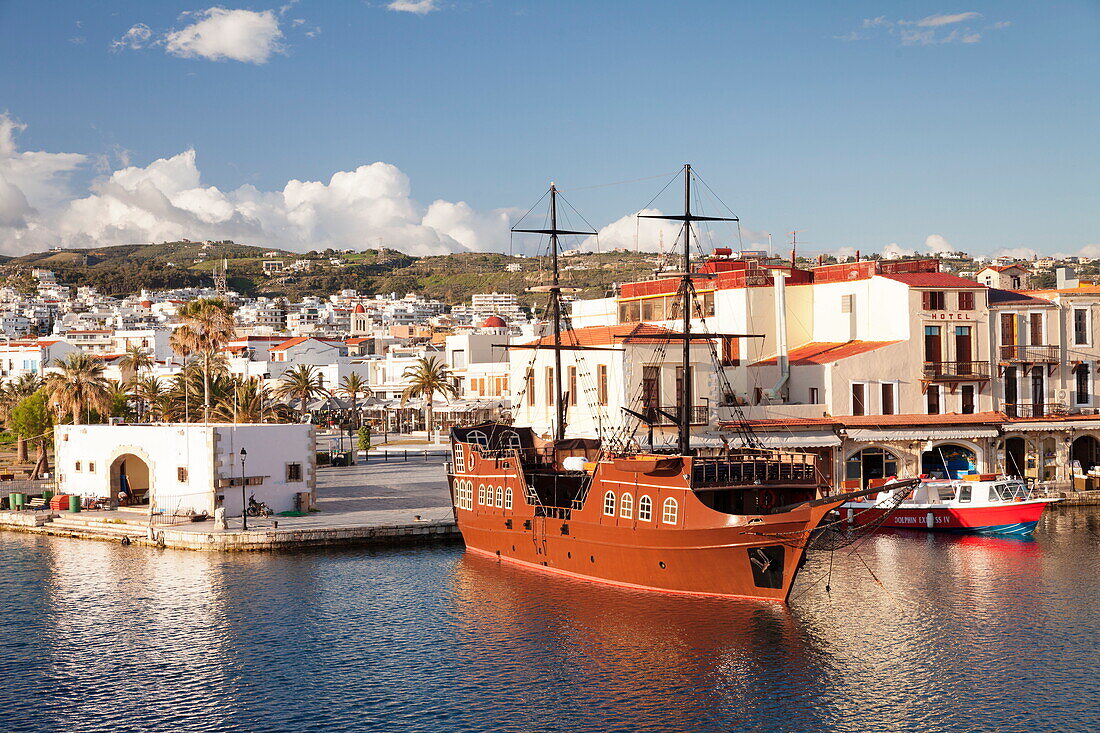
986 506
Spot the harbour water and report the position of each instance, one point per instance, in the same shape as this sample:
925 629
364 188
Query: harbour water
917 632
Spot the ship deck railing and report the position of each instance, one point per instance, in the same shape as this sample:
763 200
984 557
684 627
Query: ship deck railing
755 468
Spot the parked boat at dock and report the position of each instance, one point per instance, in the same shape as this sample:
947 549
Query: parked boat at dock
987 506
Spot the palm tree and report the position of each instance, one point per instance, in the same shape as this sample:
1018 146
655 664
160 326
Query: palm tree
79 386
207 327
251 401
148 391
425 378
135 359
352 386
302 383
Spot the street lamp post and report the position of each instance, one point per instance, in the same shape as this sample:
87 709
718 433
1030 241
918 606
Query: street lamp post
244 503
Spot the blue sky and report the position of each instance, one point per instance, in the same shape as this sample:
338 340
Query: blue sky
865 124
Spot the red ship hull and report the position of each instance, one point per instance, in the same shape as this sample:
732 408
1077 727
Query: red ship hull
678 545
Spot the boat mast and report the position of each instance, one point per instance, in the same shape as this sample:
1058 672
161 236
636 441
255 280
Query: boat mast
686 392
555 308
686 290
555 317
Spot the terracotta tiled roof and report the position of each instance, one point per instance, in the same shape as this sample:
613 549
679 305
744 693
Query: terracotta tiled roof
933 280
950 418
608 335
1002 268
299 339
826 352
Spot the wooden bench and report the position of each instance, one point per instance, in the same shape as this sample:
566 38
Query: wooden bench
37 503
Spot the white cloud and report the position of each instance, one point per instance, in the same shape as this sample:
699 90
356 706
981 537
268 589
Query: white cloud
419 7
634 232
894 251
938 244
220 34
137 37
935 21
167 200
1018 253
933 30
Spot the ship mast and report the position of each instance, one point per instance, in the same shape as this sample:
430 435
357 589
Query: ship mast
687 291
555 308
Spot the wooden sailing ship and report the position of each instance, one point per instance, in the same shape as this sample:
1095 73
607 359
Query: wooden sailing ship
736 523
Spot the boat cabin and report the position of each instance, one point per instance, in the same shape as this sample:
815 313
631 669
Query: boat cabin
969 492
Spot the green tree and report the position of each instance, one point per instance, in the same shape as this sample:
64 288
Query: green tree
424 379
351 386
302 383
31 420
208 325
134 361
79 386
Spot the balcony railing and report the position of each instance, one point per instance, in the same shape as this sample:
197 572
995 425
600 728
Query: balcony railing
956 370
1030 354
700 414
1037 409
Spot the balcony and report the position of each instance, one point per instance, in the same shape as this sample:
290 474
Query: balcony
1037 409
1029 354
700 415
955 371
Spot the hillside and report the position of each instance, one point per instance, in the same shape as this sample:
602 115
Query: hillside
127 269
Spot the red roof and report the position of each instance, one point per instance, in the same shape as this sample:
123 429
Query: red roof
358 340
1002 268
609 335
950 418
781 422
826 352
359 308
299 339
494 322
933 280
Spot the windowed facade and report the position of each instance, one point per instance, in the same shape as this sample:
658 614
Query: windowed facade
181 474
967 398
933 398
934 300
460 458
481 494
572 387
1080 327
933 345
601 384
508 498
478 438
645 509
859 398
626 506
549 386
966 300
1082 382
888 396
529 387
609 504
294 472
512 440
670 511
815 396
500 497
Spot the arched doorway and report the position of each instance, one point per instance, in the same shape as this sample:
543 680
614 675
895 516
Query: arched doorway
870 463
1085 450
130 481
1015 457
949 460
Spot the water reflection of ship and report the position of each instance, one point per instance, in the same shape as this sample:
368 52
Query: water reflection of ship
693 660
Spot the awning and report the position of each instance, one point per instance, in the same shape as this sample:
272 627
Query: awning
785 439
1012 427
872 435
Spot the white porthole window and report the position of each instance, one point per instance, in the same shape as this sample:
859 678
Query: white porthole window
460 459
478 438
645 509
670 511
500 497
481 494
609 504
626 506
470 495
508 498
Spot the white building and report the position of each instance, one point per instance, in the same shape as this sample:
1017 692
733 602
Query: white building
188 468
